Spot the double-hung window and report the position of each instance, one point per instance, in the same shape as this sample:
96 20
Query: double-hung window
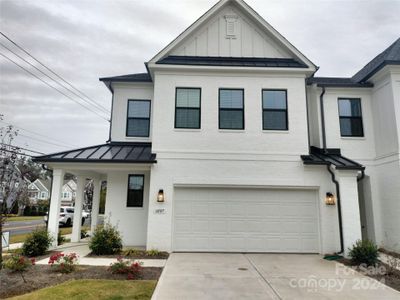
350 117
135 191
275 113
187 108
231 109
138 120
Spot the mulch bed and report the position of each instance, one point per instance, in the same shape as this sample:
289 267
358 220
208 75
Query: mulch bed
391 253
137 254
390 278
40 276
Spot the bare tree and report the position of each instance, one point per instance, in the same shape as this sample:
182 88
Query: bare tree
12 183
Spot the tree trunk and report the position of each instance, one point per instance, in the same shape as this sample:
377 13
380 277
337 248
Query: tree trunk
21 210
1 239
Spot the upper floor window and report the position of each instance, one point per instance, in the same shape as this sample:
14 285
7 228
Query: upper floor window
135 191
138 120
187 108
231 109
275 114
350 117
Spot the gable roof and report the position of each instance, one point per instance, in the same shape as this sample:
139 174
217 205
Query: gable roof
390 56
249 11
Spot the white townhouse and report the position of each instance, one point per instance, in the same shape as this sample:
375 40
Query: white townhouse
230 143
38 190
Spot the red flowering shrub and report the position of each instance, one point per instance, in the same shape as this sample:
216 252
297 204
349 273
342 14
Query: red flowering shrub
132 270
19 263
64 263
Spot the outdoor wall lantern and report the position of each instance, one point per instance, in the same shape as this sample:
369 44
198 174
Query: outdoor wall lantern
330 199
160 196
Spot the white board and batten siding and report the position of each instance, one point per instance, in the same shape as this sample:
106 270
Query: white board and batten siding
245 220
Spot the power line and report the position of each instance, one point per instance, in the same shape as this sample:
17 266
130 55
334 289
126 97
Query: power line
49 85
17 153
42 141
39 134
52 79
58 76
33 151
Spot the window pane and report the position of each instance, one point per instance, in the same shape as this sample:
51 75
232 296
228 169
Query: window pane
138 127
188 98
231 119
187 118
349 108
139 109
274 99
351 127
135 191
135 182
231 98
274 120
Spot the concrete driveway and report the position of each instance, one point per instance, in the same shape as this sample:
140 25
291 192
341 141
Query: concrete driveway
263 276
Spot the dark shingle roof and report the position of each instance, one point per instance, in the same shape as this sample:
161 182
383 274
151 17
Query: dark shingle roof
231 61
337 82
113 152
318 156
391 56
138 77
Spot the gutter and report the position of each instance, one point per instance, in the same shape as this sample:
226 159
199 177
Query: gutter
334 180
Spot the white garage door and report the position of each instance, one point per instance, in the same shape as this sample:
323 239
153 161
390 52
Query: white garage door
245 220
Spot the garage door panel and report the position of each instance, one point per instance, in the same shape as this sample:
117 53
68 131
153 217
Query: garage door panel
245 220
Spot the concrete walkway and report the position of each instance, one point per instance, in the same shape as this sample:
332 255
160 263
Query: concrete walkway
82 249
263 276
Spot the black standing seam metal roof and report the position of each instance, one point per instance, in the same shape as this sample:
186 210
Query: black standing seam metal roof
337 82
231 61
138 77
318 156
113 152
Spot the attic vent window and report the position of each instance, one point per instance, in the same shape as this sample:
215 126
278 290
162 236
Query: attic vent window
231 26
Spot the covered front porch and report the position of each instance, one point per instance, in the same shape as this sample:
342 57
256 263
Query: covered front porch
115 163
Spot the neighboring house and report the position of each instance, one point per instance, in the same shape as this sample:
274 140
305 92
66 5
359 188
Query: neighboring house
39 190
230 143
68 193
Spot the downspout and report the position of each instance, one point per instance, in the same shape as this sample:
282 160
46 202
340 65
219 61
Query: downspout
112 106
334 180
321 103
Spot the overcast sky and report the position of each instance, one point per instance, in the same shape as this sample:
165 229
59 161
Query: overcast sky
88 39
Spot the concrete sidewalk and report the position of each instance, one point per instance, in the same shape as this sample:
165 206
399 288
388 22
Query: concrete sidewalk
82 249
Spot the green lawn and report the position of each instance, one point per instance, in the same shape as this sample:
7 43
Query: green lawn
19 238
96 290
24 218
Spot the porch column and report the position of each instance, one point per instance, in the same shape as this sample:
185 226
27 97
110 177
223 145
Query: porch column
350 208
80 189
55 204
95 204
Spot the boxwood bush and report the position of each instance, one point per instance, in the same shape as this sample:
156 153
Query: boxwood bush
37 243
364 252
106 240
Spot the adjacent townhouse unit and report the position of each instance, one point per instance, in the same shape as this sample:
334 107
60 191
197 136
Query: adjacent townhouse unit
68 193
230 142
39 189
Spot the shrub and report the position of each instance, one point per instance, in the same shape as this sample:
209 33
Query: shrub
37 243
19 263
364 252
132 269
106 240
64 263
154 252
